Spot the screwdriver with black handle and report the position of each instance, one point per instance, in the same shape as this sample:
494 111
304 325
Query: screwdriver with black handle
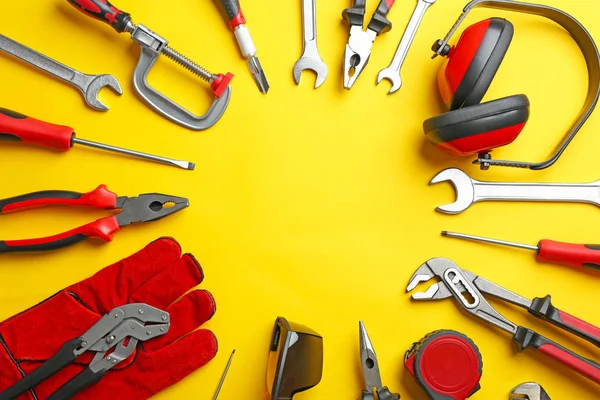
19 128
569 254
237 22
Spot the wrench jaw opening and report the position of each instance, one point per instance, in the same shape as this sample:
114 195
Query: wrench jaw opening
529 391
463 187
392 76
97 83
314 64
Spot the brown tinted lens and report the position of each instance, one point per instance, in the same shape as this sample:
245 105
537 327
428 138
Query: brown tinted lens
303 366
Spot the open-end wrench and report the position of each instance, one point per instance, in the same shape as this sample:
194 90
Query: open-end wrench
529 391
469 191
89 85
392 73
310 58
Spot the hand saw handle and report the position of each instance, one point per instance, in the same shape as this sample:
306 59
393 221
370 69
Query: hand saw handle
103 11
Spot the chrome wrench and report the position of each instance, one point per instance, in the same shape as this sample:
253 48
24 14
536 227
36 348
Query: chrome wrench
392 73
469 191
89 85
310 58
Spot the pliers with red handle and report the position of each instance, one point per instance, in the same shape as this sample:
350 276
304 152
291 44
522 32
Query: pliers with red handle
468 288
144 208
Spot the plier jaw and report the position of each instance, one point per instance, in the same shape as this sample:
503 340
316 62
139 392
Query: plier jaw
148 207
357 54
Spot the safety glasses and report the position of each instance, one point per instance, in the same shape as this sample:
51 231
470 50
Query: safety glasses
295 360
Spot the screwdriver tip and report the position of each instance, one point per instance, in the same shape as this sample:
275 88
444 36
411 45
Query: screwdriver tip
258 74
444 233
191 166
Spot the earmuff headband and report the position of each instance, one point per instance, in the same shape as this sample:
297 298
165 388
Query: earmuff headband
586 44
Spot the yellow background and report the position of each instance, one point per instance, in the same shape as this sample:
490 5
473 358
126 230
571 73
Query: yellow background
309 204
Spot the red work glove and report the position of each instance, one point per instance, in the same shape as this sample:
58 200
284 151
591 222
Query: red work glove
157 275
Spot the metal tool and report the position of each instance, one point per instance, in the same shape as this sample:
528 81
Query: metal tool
16 127
122 329
89 85
237 21
360 43
152 47
143 208
570 254
224 375
446 364
529 391
370 369
468 288
392 73
469 191
310 58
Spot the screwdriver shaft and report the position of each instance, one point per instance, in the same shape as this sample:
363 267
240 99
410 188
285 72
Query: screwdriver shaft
224 375
488 240
176 163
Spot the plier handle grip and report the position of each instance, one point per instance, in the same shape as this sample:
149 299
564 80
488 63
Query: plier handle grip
143 208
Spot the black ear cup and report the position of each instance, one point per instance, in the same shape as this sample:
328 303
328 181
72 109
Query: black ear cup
471 130
483 46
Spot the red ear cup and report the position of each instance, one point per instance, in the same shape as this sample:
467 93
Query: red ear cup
473 62
479 128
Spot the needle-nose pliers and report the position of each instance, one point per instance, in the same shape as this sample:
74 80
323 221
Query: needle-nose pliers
143 208
370 369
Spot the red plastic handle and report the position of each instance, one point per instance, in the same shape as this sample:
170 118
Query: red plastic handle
103 11
591 331
573 255
582 365
15 127
103 229
101 198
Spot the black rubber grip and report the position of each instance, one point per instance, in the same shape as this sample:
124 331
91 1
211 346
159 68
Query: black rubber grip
103 11
355 16
379 23
77 384
30 248
232 8
48 194
65 356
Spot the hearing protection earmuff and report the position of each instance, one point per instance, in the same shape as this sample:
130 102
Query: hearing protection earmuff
472 127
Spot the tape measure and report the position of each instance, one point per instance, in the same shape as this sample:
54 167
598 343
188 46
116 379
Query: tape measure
446 364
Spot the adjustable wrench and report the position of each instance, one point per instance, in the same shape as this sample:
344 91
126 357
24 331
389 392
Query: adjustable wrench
469 191
89 85
310 58
529 391
392 73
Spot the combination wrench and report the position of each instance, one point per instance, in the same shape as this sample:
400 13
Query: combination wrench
392 73
89 85
310 58
469 191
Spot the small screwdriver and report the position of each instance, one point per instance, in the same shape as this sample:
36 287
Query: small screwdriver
242 34
15 127
570 254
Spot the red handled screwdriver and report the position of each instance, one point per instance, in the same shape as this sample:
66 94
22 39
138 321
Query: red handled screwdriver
15 127
570 254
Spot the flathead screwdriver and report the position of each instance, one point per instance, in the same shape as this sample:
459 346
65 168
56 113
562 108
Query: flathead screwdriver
569 254
16 127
